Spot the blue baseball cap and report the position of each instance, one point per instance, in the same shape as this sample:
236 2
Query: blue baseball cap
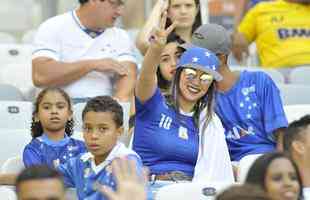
202 59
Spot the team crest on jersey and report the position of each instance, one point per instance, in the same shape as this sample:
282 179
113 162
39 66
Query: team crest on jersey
56 163
183 134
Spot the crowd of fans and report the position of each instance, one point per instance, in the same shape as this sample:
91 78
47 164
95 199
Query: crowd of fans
193 118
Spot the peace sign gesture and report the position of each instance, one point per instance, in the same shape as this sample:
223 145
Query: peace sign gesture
160 34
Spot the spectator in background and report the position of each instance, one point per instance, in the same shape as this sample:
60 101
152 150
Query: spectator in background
281 30
248 103
185 12
51 130
40 183
178 136
278 175
243 192
297 143
82 52
241 7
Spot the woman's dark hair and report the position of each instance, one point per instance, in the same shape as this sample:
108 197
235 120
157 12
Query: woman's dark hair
258 171
105 104
197 21
36 126
243 192
206 101
162 83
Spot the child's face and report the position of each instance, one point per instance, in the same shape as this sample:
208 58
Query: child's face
100 133
53 112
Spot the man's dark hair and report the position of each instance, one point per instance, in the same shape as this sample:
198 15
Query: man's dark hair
38 172
105 104
295 132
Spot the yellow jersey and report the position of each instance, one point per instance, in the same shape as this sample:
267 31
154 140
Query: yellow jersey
281 30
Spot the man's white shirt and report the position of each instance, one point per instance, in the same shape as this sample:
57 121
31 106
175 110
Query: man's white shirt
63 39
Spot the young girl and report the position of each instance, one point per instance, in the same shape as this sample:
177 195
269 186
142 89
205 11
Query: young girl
185 12
51 128
278 175
180 137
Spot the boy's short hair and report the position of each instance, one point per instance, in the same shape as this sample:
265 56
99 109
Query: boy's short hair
105 104
243 192
295 132
83 1
37 172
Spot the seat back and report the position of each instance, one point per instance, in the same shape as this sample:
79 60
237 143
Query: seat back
300 75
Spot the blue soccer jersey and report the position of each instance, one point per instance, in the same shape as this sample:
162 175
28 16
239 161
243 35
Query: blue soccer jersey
83 174
42 150
250 112
165 142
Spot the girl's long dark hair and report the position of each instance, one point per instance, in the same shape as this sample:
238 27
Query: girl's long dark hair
36 126
206 101
258 171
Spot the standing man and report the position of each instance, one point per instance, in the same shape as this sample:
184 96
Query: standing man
248 103
281 31
82 52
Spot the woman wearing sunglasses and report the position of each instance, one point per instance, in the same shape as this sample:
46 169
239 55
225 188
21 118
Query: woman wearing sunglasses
178 136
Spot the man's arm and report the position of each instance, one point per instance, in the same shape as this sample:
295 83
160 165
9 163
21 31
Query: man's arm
7 179
125 85
49 72
279 133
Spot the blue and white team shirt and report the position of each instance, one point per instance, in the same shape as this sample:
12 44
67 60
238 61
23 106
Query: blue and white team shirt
42 150
165 142
83 174
250 112
63 38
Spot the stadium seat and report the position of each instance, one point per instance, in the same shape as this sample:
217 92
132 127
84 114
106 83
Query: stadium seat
7 38
294 94
7 193
186 191
300 75
295 112
276 76
10 93
244 165
18 16
18 75
15 115
15 53
13 142
28 36
13 165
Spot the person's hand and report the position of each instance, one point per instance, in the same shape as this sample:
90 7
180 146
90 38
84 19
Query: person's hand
239 47
160 35
130 186
164 5
110 65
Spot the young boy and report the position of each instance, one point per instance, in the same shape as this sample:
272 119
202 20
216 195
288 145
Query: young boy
102 125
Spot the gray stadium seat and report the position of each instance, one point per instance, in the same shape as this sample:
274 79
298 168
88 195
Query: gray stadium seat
295 112
10 93
7 38
276 76
300 75
15 115
294 94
